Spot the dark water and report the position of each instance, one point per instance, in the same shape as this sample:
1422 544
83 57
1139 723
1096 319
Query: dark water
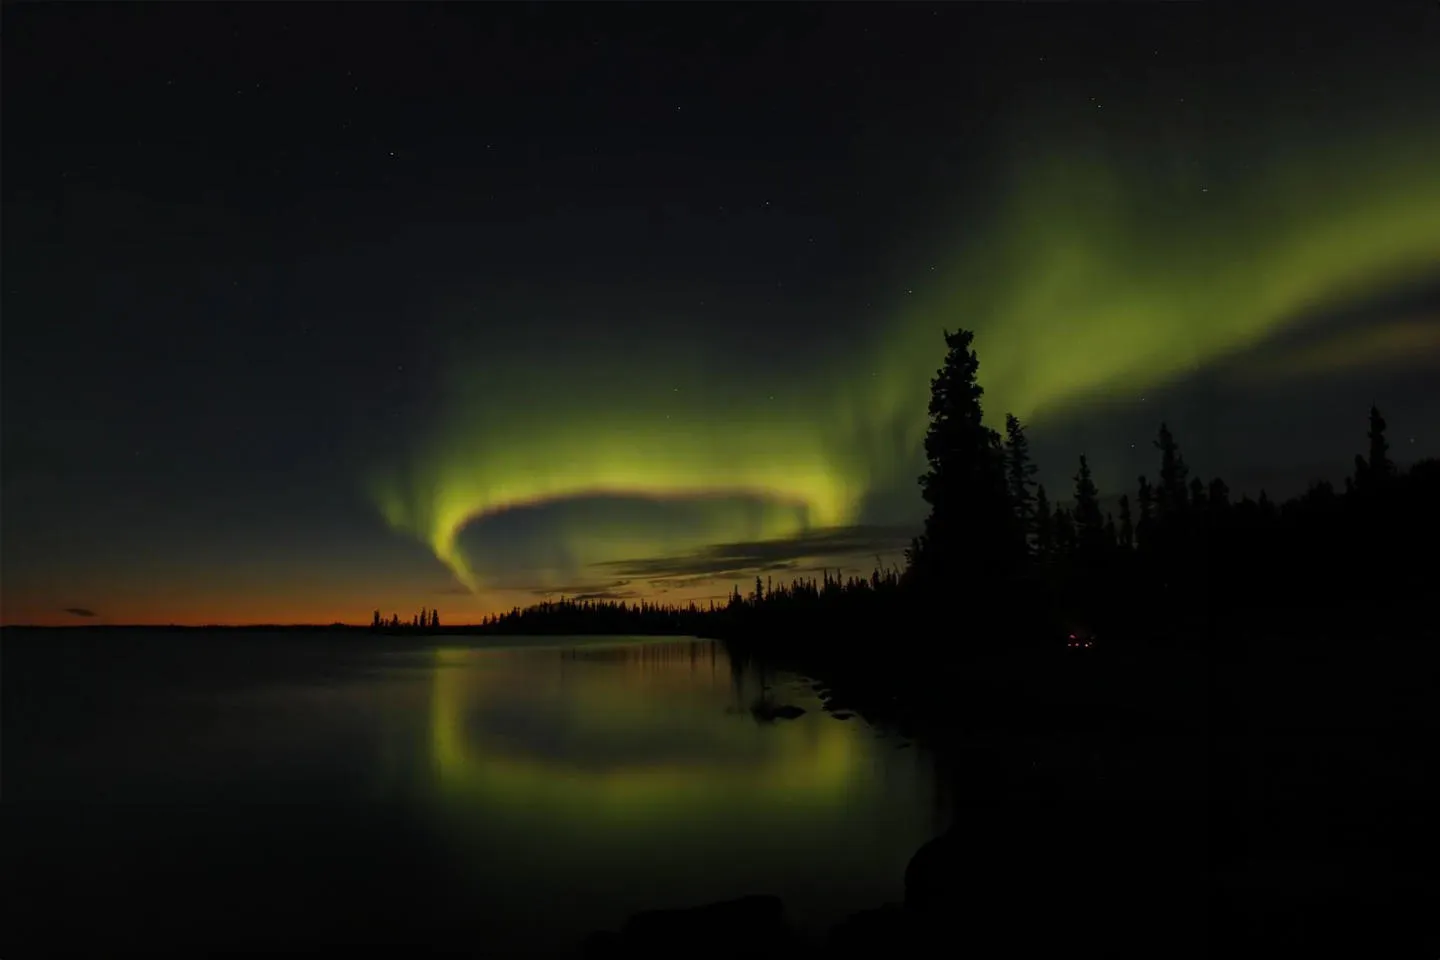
253 791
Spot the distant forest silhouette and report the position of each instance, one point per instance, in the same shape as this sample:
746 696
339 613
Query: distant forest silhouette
1000 563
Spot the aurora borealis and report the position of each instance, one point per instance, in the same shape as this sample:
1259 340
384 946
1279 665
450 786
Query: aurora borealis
649 303
1082 286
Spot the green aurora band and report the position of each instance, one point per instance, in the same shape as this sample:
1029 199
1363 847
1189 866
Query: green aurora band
1099 271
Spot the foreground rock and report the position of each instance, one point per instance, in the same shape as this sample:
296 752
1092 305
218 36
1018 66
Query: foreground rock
767 712
1038 864
889 931
751 926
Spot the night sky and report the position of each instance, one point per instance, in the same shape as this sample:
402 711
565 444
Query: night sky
313 309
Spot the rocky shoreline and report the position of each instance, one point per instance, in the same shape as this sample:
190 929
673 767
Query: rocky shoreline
976 889
1125 807
1038 857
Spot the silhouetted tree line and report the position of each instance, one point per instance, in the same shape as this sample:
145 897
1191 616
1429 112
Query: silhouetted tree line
424 620
1183 554
769 607
1000 562
1191 548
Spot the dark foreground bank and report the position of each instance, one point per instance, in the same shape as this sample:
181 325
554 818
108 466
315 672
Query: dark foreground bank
1044 875
1255 785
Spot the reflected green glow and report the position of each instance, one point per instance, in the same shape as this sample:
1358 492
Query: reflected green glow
712 763
627 779
1102 272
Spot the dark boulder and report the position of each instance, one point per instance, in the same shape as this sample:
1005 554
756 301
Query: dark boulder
1030 879
750 926
766 712
889 931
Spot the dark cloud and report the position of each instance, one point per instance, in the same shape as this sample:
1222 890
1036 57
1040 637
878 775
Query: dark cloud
615 590
1392 329
607 595
515 546
1245 418
80 611
765 556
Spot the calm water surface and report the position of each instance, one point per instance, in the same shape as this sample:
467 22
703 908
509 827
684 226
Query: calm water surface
254 790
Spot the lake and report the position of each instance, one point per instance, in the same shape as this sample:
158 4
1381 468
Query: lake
241 791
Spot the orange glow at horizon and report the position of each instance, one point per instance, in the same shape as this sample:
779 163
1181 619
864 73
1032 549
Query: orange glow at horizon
275 608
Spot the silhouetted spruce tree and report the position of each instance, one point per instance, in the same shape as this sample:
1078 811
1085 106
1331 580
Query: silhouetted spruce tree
435 619
971 534
375 620
1170 494
1044 525
1066 542
1318 496
913 555
1112 536
1089 521
1379 469
1127 526
1219 494
1197 493
1144 527
1020 476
